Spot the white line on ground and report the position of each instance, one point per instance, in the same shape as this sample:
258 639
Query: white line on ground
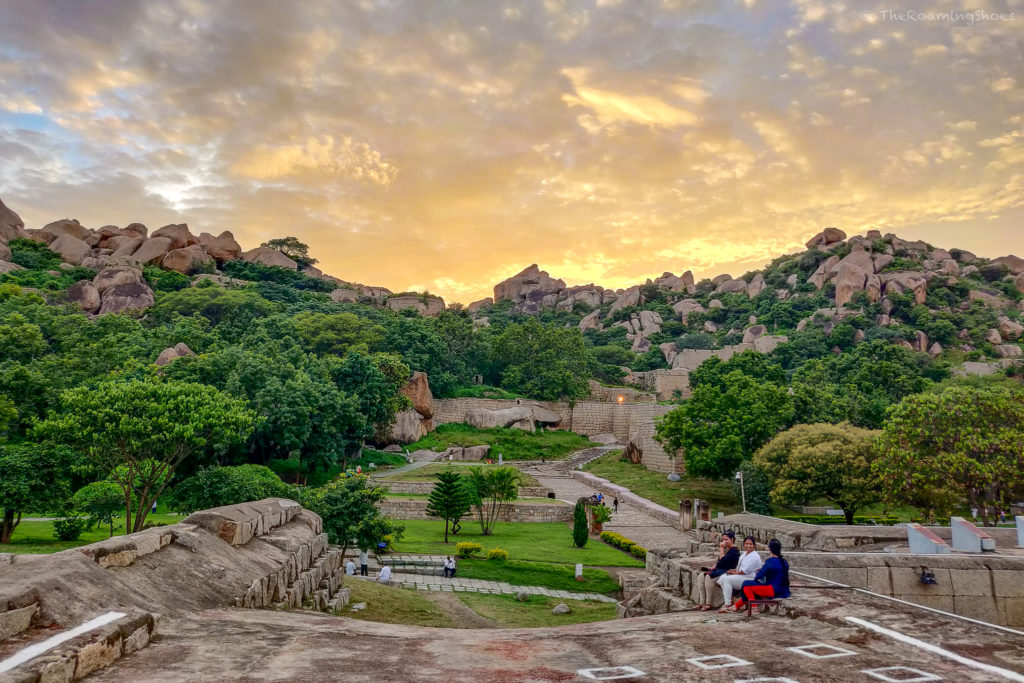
909 640
39 648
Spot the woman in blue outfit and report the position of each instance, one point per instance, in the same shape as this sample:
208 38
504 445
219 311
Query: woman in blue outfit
771 581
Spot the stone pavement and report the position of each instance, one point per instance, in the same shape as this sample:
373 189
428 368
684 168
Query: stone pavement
462 585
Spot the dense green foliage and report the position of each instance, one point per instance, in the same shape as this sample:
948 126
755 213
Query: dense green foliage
579 525
216 486
33 479
939 450
292 248
349 509
101 501
827 461
490 489
450 500
512 444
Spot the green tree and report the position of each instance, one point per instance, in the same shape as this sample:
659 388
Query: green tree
720 426
141 431
337 333
216 486
101 500
293 249
807 462
756 487
31 479
491 489
450 500
542 361
349 509
963 445
579 525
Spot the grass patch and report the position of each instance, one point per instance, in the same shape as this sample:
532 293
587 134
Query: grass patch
37 537
482 391
536 611
656 487
513 444
553 576
390 605
533 541
429 473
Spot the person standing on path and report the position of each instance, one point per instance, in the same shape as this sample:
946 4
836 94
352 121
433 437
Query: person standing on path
363 559
615 503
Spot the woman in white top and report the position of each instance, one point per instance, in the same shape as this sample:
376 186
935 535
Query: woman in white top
749 564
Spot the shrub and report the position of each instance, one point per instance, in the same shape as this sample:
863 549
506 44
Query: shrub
883 520
68 528
497 554
602 514
579 525
624 544
33 255
219 486
467 549
165 280
639 552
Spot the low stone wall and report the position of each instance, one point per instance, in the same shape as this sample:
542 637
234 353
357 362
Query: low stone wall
513 512
797 535
424 488
454 409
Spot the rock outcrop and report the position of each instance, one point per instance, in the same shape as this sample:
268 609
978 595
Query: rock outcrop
427 305
85 295
527 283
134 296
188 260
169 354
269 257
222 248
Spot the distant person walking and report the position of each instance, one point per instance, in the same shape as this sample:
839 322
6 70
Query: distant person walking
615 503
363 559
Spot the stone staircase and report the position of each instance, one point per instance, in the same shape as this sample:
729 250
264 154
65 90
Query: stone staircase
424 565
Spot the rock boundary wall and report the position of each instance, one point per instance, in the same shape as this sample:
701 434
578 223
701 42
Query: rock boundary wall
513 512
425 487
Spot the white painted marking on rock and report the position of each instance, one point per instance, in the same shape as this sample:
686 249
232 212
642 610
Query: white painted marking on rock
960 659
725 661
918 676
610 673
33 651
829 651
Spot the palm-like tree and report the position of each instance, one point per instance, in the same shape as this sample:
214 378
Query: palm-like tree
493 489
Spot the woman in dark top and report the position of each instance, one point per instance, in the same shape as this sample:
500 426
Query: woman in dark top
728 558
772 581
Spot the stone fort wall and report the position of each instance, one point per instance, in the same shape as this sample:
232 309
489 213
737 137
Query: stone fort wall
627 421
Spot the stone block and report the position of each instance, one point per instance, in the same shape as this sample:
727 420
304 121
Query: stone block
1013 611
941 602
969 538
57 668
123 558
906 581
97 655
850 576
924 541
1007 583
1019 519
146 543
137 639
984 608
879 580
15 621
967 582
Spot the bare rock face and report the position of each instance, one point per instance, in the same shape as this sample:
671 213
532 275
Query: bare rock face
992 336
590 321
178 234
1019 282
7 267
519 417
409 426
84 294
430 306
102 236
852 274
188 261
5 252
920 341
669 351
732 286
417 390
71 249
674 283
686 307
66 226
630 297
11 225
756 286
480 303
1014 264
223 247
1008 351
111 277
269 257
520 286
179 350
135 230
152 250
753 332
135 296
1009 329
826 237
124 245
935 349
818 277
902 281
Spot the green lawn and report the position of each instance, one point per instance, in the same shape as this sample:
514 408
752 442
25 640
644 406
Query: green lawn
391 605
429 472
513 444
37 537
536 611
656 487
535 541
553 576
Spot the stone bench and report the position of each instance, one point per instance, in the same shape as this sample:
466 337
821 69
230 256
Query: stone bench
924 541
969 538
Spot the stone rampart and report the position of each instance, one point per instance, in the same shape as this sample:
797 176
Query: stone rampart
423 488
454 409
513 512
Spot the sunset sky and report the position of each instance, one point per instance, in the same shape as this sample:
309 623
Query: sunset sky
447 145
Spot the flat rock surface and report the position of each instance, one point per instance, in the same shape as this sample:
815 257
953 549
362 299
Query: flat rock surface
262 645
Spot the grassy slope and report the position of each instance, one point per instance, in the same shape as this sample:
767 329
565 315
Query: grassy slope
654 485
37 537
513 444
553 576
536 611
429 473
394 605
536 541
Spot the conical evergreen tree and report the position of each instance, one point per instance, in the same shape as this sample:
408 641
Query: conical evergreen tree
449 500
579 525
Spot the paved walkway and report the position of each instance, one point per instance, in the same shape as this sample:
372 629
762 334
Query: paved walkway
461 585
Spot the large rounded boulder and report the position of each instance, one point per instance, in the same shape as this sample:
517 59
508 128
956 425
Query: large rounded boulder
135 296
188 261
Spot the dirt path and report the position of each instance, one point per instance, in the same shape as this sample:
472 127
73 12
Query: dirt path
461 616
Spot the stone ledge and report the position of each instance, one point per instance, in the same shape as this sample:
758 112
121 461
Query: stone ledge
238 524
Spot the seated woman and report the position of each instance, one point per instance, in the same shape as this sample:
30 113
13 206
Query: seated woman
772 581
728 557
747 568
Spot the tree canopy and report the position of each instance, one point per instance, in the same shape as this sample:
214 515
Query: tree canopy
350 512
